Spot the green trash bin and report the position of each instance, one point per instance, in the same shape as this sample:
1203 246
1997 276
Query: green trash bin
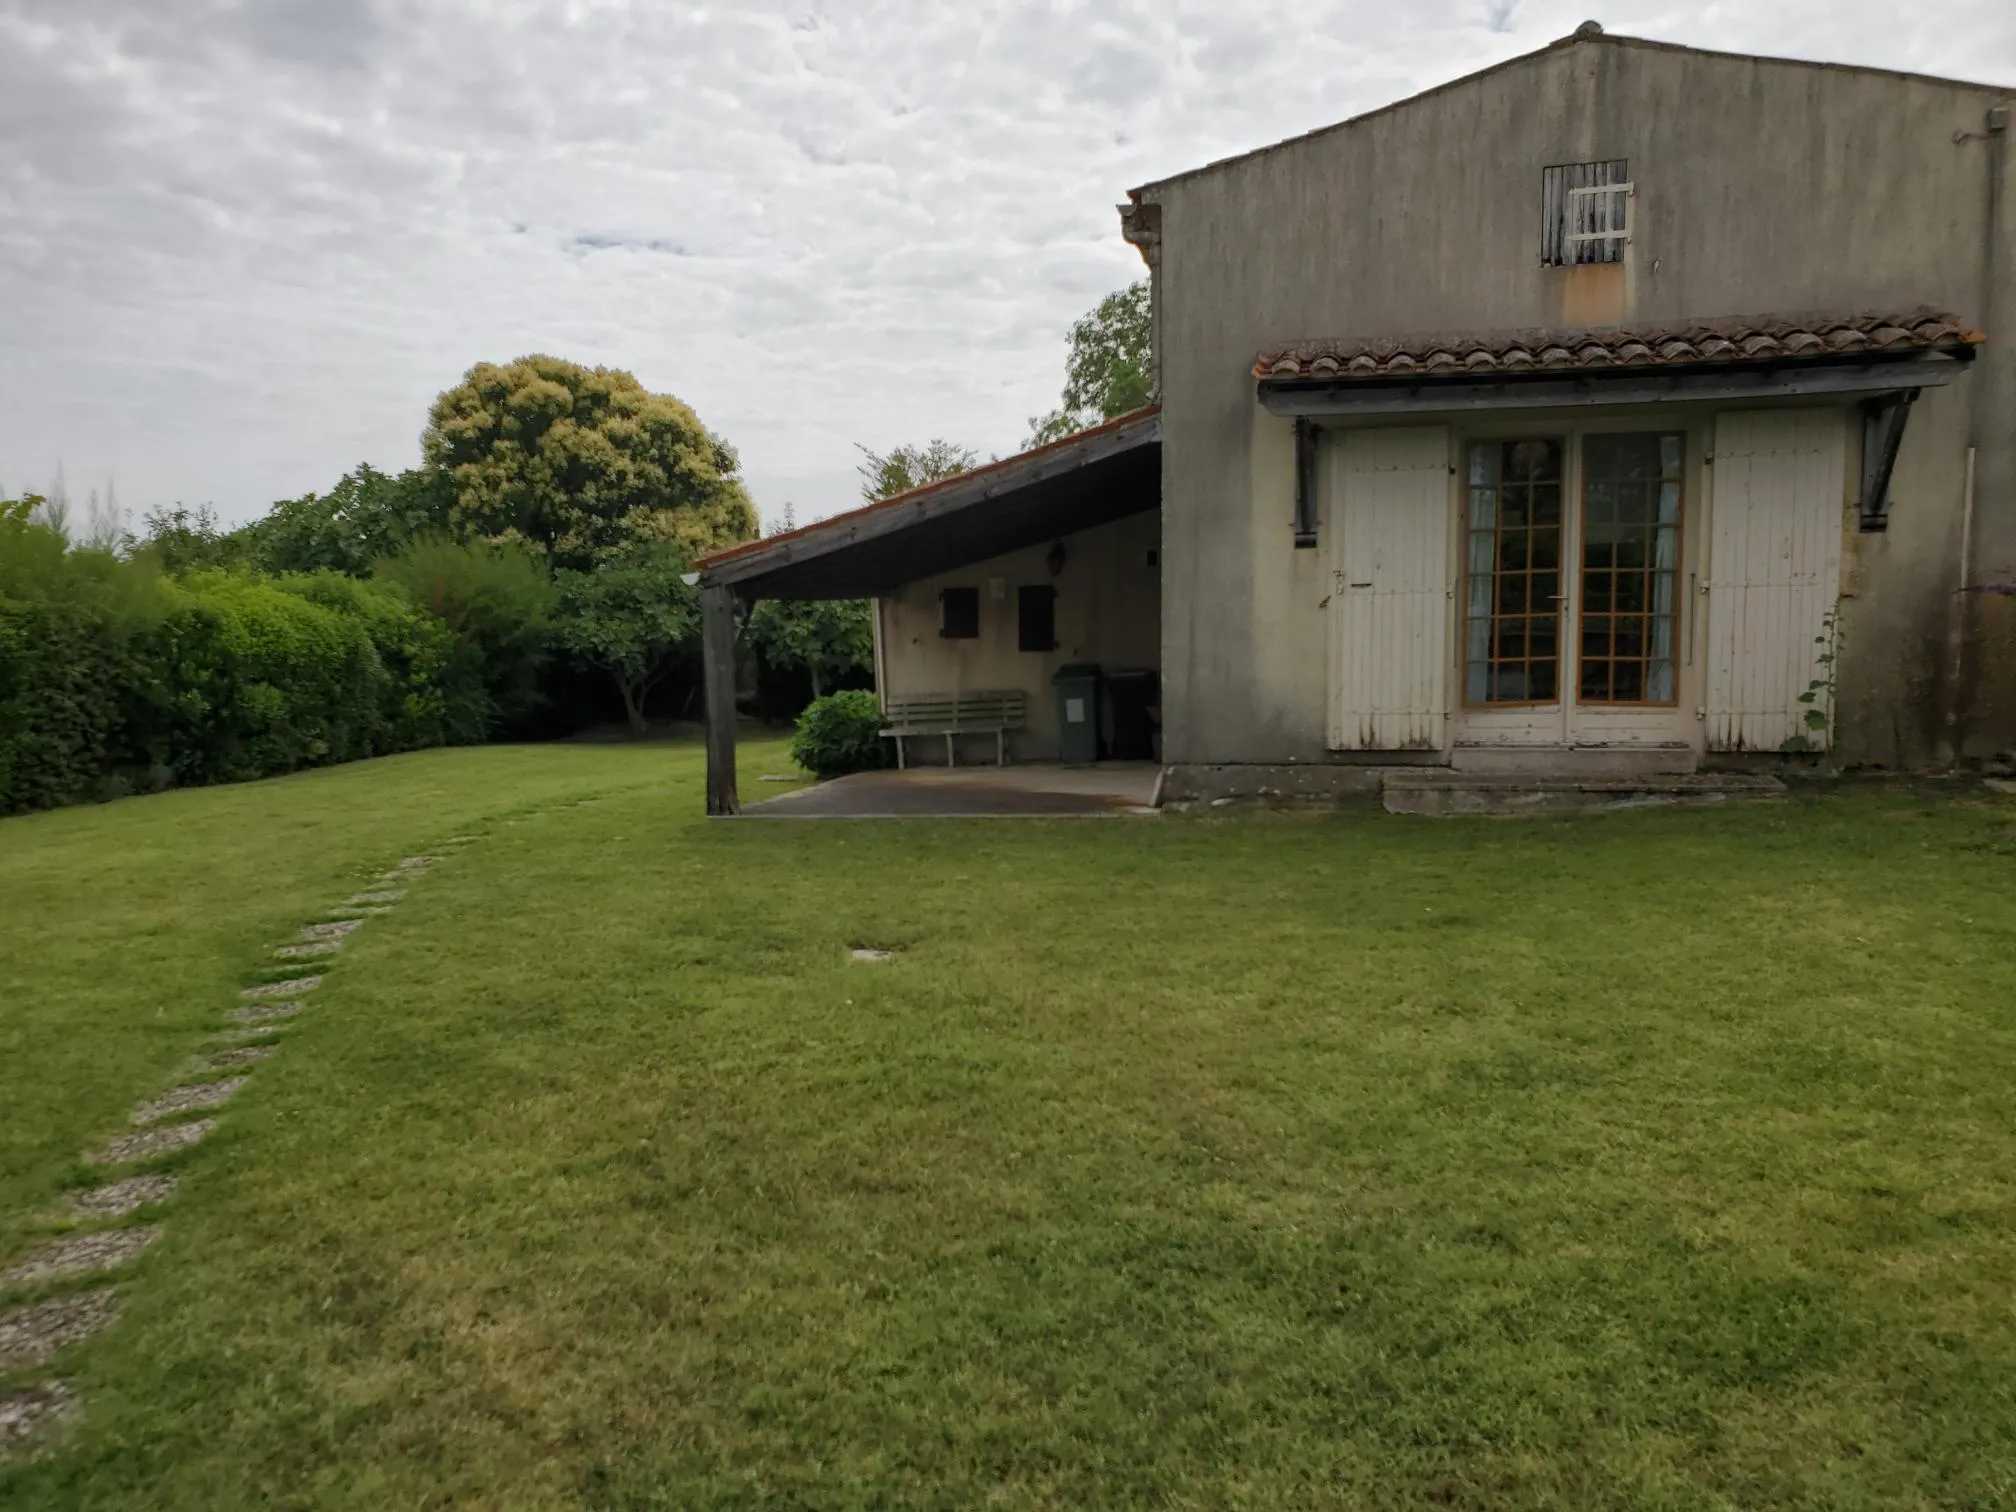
1077 713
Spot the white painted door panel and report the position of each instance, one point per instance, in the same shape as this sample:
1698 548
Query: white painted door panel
1389 592
1774 568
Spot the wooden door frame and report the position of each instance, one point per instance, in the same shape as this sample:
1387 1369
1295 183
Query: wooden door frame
1567 723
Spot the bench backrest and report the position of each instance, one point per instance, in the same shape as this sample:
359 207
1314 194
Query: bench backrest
1001 708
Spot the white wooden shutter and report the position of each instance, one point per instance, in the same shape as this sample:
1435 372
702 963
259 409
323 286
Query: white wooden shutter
1389 591
1774 570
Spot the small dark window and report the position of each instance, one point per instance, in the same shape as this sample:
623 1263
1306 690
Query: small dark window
959 614
1585 212
1036 618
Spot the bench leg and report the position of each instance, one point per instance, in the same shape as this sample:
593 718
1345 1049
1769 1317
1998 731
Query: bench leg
899 753
951 755
1000 748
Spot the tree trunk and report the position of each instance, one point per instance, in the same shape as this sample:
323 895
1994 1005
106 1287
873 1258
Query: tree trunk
818 692
633 707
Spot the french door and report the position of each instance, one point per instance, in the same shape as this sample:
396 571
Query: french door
1572 610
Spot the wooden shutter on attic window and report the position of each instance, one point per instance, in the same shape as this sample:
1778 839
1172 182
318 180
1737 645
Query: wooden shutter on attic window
1036 618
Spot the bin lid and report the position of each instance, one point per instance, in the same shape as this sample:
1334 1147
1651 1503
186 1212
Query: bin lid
1131 674
1076 672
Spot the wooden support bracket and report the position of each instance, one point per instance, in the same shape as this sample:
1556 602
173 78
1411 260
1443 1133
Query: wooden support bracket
1883 420
1305 482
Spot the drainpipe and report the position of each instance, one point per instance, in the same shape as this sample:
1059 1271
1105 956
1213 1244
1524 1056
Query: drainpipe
1979 423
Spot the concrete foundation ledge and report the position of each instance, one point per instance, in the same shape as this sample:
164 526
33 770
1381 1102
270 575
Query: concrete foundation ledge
1449 793
1290 783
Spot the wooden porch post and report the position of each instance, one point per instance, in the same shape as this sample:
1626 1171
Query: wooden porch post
717 675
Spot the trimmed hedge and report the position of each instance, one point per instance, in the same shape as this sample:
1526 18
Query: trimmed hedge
115 679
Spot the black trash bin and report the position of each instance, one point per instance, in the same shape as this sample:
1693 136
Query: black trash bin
1077 713
1130 697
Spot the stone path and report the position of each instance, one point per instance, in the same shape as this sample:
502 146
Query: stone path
32 1334
118 1198
24 1413
127 1148
190 1099
106 1250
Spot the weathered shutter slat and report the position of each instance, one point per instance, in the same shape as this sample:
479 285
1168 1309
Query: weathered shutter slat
1774 570
1389 601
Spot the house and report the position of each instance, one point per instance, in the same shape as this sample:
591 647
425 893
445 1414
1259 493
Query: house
1622 408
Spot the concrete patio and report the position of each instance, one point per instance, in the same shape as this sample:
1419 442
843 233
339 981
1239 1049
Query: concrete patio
1036 790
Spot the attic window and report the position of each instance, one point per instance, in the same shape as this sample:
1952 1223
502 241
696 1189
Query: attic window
959 614
1585 212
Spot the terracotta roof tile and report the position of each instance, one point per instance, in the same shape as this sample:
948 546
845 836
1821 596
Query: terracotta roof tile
1767 338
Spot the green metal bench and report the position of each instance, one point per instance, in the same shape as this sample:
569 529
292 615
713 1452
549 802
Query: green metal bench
955 714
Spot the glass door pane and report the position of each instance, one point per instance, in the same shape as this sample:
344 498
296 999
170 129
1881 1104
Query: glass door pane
1512 573
1630 567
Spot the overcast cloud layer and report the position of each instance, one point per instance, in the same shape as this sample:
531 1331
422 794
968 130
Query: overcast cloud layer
243 245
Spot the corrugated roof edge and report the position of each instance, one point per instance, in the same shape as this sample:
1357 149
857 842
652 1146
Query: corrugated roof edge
743 548
1573 39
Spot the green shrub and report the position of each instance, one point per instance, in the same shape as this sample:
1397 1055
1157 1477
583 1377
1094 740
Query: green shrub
840 733
254 681
73 630
414 647
497 602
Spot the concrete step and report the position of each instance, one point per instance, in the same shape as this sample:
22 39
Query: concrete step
1448 792
1672 759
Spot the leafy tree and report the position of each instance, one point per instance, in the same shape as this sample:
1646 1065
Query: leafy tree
902 468
181 539
582 462
1107 372
632 615
368 515
827 638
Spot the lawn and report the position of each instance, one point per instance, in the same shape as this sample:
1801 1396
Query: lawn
1663 1159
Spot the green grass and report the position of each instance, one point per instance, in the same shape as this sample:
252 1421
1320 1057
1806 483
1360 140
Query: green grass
1662 1160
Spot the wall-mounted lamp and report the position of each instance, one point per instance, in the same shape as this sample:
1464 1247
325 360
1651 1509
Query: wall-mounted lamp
1055 561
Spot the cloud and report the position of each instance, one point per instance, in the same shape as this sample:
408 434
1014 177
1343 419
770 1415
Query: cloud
244 242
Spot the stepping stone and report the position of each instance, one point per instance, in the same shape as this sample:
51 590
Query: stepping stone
259 1013
873 957
25 1413
351 911
282 989
302 952
1999 785
335 929
415 863
255 1031
382 895
31 1335
127 1148
118 1198
212 1094
224 1060
82 1253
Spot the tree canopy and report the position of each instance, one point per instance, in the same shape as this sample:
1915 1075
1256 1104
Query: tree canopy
902 468
631 615
1108 371
581 462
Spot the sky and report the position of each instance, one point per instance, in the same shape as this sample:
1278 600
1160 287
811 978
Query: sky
243 245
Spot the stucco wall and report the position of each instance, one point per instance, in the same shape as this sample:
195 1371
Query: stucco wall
1108 610
1762 187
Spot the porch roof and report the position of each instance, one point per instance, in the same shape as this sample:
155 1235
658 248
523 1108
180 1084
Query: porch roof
1739 355
1092 478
